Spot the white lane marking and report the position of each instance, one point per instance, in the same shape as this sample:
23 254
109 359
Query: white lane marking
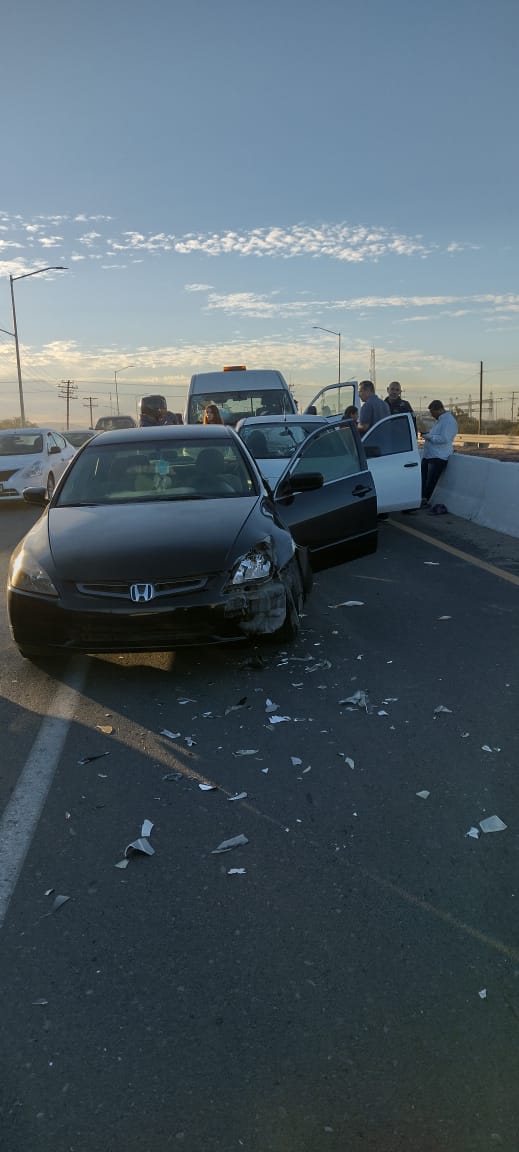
24 809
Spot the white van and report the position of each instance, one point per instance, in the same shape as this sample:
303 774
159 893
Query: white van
239 392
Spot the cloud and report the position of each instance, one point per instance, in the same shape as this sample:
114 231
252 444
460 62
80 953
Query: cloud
50 241
198 287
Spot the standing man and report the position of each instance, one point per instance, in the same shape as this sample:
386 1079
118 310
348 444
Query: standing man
373 408
438 448
395 402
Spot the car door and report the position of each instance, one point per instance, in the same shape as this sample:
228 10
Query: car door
59 452
333 400
394 461
336 521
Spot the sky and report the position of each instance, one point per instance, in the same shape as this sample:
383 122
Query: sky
223 180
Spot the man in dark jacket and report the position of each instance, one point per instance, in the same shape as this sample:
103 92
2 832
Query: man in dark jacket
395 402
153 412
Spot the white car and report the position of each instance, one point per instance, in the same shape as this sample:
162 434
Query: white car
390 448
31 457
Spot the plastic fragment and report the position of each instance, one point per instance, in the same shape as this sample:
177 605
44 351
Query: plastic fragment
442 708
170 735
296 761
234 842
270 706
239 796
186 700
432 563
106 729
236 871
278 719
189 741
482 994
348 604
208 787
122 864
39 1002
246 752
147 828
444 617
360 698
141 845
464 735
474 833
382 713
58 903
492 824
173 776
424 795
88 759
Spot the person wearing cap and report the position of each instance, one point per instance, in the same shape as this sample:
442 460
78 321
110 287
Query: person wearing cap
373 408
437 449
395 402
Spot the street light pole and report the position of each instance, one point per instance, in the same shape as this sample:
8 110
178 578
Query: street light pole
115 378
24 276
332 333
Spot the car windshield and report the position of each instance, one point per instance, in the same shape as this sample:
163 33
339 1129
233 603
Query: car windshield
78 438
275 441
235 405
21 444
149 471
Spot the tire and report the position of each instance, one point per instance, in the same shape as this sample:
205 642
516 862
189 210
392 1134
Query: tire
51 484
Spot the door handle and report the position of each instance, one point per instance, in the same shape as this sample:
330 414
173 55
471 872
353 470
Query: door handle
414 464
360 491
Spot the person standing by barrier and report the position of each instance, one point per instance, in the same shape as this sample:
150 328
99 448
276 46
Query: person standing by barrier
437 449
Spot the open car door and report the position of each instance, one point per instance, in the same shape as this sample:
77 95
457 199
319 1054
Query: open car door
326 496
333 400
394 461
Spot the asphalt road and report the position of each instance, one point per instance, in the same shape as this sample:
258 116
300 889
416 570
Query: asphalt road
357 987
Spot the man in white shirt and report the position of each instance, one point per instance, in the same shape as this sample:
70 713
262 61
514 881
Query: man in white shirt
438 447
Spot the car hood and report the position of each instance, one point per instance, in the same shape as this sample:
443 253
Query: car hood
17 463
148 541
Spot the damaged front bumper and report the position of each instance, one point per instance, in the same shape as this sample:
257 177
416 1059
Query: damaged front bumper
259 611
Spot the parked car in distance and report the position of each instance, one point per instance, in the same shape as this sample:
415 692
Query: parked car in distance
109 423
162 537
391 450
238 392
31 456
78 436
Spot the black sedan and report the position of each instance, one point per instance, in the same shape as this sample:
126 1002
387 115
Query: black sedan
162 537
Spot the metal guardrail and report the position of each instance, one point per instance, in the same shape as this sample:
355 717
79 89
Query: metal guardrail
485 441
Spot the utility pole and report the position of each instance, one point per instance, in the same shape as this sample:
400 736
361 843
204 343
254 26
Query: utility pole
68 392
373 369
480 397
514 394
90 402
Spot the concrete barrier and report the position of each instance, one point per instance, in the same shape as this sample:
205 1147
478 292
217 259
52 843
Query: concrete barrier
485 491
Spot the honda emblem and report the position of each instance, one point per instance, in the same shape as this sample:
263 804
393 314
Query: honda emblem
141 593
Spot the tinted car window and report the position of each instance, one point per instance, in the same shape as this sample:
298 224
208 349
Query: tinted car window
156 471
392 437
236 405
275 441
334 453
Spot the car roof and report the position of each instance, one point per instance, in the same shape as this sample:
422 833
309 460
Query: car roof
30 431
290 418
169 432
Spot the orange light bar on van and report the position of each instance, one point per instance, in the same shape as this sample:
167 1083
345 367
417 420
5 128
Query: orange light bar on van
235 368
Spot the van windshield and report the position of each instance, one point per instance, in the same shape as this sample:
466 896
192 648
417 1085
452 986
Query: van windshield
235 405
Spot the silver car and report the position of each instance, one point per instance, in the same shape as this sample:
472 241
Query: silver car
29 457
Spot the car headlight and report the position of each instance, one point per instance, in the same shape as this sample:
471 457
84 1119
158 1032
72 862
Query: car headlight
255 565
28 576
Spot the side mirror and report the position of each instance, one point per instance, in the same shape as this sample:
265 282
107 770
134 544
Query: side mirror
37 496
372 450
54 450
